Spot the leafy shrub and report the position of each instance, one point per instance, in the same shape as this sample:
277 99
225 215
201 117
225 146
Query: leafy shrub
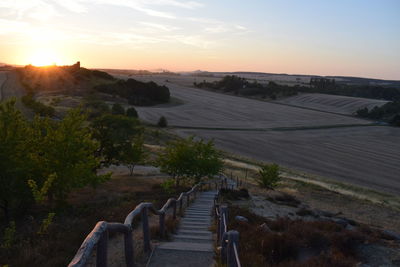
162 122
117 109
37 107
9 238
95 107
168 186
268 176
44 227
131 112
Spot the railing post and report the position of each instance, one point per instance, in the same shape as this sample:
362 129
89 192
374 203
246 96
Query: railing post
223 212
223 248
187 200
218 218
233 239
174 211
102 248
180 206
162 224
129 253
146 230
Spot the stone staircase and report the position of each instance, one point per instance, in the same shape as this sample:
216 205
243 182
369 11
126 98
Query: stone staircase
193 244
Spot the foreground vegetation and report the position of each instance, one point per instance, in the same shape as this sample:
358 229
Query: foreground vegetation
51 173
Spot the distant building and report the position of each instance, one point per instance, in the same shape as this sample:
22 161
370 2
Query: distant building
77 65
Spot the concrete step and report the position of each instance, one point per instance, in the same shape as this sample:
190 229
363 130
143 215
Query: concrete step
198 209
194 221
196 228
175 245
194 232
189 224
181 258
203 216
206 213
192 237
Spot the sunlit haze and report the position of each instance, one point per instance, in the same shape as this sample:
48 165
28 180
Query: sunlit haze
344 37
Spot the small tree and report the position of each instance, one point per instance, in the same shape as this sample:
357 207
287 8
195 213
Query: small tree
63 154
190 158
131 112
162 122
133 154
268 176
115 134
117 109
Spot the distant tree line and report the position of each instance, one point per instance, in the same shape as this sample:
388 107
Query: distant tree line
137 93
390 112
241 86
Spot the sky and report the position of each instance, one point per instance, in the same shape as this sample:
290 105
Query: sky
342 37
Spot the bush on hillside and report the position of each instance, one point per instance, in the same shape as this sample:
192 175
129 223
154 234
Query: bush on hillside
137 93
268 176
117 109
162 122
131 112
37 107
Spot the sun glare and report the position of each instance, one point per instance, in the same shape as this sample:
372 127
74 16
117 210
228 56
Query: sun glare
44 58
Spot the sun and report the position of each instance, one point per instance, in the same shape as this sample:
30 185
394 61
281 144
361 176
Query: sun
44 58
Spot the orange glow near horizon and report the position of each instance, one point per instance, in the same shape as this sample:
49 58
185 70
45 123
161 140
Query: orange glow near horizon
44 58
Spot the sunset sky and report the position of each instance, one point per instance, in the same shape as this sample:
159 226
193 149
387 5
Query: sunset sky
340 37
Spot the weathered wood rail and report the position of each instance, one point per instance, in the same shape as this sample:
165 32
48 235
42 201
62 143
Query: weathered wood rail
228 240
98 237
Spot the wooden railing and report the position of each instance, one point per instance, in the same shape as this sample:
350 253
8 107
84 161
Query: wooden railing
227 240
98 237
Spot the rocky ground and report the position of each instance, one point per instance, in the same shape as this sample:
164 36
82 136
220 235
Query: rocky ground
383 250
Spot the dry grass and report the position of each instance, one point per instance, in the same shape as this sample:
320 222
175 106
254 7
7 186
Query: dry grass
297 242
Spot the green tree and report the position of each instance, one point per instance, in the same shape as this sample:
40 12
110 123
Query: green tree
64 155
117 109
133 154
190 158
268 176
162 122
131 112
14 163
115 133
208 160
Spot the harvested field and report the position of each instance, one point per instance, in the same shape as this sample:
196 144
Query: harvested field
332 103
311 142
364 156
207 109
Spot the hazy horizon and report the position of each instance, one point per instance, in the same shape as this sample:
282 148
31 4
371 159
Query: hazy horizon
342 38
